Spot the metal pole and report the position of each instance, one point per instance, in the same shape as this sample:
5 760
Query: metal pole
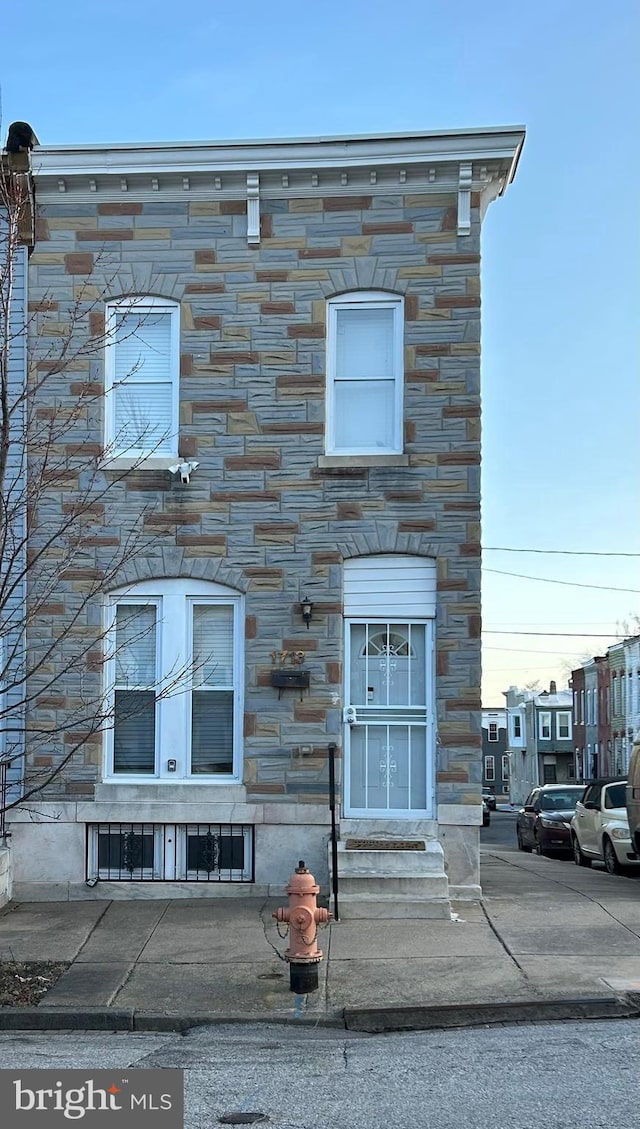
334 837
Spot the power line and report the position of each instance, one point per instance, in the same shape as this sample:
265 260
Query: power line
568 583
559 634
559 552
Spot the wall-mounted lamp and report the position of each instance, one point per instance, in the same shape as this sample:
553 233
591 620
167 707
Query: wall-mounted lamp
306 607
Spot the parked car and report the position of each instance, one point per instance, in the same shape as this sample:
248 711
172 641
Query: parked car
486 814
543 824
633 796
600 828
490 798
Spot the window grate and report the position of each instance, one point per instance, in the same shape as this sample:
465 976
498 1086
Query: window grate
164 852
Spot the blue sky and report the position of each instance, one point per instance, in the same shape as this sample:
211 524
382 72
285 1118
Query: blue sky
561 252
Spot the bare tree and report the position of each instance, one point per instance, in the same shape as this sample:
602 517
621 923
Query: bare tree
57 554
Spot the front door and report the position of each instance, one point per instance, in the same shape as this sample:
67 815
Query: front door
388 726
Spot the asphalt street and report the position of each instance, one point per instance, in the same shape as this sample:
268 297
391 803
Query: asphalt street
563 1075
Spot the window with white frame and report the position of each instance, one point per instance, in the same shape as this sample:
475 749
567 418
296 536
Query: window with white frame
493 730
516 722
365 374
505 766
544 725
489 768
174 676
142 364
563 725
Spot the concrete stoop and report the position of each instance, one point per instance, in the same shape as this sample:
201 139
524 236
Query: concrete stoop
392 883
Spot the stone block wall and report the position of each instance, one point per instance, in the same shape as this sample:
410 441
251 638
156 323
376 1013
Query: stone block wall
262 513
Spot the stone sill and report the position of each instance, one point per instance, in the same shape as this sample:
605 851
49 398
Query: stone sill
225 792
150 462
357 462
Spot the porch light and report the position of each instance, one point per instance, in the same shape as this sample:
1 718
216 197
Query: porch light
306 607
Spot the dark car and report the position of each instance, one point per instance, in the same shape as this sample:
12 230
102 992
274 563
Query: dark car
489 798
544 823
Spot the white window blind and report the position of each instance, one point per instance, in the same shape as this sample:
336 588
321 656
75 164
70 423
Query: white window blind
134 735
364 367
364 344
212 705
144 371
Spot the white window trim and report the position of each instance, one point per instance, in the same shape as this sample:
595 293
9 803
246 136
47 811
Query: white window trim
505 766
167 866
361 299
495 737
542 725
490 769
516 718
567 715
175 600
158 451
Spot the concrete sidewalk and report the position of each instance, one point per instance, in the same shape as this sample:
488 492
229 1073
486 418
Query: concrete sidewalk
545 931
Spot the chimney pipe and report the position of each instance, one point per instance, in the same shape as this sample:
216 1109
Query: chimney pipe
552 687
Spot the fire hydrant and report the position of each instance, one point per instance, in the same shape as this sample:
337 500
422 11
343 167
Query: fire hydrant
303 915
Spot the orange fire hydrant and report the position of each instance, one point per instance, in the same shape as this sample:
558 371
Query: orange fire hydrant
303 915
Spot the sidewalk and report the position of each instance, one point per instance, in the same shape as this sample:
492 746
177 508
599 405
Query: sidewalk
545 932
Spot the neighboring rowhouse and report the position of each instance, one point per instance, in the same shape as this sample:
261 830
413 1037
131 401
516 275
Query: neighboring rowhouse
495 762
605 745
273 409
543 753
16 240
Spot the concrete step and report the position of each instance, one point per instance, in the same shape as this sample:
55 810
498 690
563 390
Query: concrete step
392 883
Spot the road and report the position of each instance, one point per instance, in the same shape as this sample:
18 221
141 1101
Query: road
562 1076
501 832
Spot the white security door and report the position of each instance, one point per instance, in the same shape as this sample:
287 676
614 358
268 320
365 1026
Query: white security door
388 725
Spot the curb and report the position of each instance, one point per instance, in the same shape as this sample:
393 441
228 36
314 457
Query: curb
131 1020
376 1020
365 1020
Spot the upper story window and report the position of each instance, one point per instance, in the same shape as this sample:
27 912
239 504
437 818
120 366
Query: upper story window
563 725
493 730
517 726
544 723
141 377
365 374
174 679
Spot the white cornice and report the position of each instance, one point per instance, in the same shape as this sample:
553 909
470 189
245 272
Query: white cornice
492 145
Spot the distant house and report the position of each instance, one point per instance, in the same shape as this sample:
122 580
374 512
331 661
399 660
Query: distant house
544 752
495 762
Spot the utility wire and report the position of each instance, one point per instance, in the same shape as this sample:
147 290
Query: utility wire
568 583
562 634
560 552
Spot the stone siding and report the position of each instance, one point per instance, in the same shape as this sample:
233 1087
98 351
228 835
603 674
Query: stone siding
262 513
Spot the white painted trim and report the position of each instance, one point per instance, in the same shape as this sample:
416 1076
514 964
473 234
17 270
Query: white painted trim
253 209
366 299
464 198
174 599
495 143
143 304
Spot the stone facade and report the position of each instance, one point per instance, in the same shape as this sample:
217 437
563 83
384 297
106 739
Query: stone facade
267 513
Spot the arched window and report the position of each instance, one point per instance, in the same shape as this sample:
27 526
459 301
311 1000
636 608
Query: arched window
365 374
142 364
